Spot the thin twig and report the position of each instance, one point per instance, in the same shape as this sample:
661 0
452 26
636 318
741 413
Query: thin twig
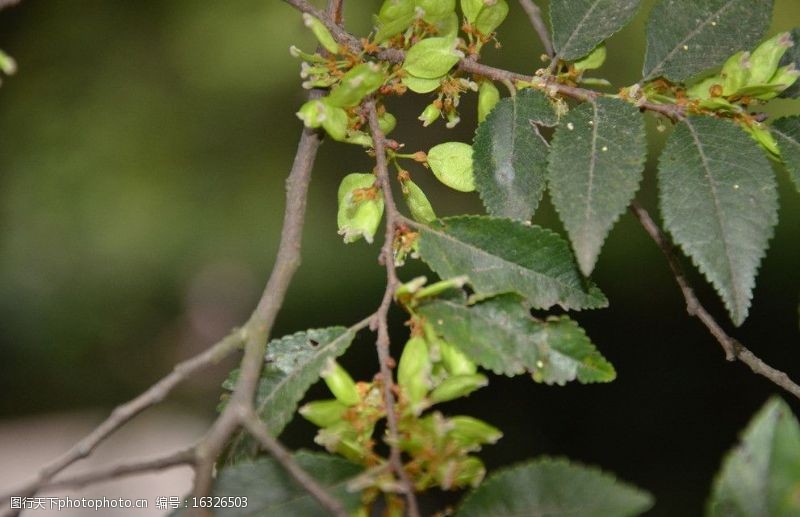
260 432
125 412
380 322
535 15
184 457
734 350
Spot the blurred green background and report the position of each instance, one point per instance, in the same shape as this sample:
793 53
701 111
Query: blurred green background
143 149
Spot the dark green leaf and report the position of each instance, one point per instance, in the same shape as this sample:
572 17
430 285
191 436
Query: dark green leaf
761 476
510 156
596 164
686 37
792 56
500 255
787 133
500 335
554 487
581 25
719 201
292 365
271 491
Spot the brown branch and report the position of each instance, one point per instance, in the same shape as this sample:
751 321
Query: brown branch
535 15
184 457
381 316
734 350
260 323
125 412
260 432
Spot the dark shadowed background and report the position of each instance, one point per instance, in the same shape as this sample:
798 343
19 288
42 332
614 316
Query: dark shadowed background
143 149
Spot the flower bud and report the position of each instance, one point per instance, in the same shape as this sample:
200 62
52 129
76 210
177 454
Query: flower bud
470 432
767 57
430 115
358 217
340 383
321 32
457 386
413 370
452 119
488 97
418 204
735 73
356 84
323 413
312 113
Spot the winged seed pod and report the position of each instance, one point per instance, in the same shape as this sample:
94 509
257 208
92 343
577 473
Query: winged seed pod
457 386
471 9
785 77
468 471
340 383
321 32
316 113
488 97
766 58
357 83
323 413
454 360
471 433
358 217
594 60
418 204
451 163
735 73
413 370
394 17
436 9
432 58
491 16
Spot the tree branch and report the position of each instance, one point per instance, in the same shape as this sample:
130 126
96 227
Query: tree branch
122 414
535 15
260 324
548 84
380 322
734 350
101 475
260 432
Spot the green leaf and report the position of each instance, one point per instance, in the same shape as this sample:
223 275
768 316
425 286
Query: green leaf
686 37
293 364
596 164
451 163
499 334
550 487
510 157
719 201
271 491
500 255
581 25
787 133
431 58
761 476
792 56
